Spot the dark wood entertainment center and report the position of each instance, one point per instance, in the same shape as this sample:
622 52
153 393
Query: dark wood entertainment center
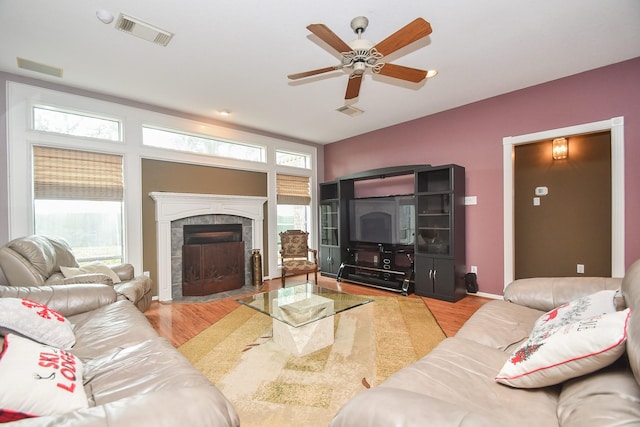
404 243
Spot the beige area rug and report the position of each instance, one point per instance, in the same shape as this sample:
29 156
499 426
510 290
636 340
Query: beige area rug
269 387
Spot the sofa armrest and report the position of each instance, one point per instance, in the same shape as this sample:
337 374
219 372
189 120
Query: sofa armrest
68 300
546 293
124 271
391 407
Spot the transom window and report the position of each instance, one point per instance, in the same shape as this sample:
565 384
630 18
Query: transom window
297 160
76 124
200 144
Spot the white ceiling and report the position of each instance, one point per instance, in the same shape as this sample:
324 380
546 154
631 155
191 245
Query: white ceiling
236 54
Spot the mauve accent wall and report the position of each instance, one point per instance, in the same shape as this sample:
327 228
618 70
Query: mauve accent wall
472 135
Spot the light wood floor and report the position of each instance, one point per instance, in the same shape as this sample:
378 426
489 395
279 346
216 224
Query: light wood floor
178 322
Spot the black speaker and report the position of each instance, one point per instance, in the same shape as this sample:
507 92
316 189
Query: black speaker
471 280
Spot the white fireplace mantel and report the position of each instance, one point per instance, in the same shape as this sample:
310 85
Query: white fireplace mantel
174 206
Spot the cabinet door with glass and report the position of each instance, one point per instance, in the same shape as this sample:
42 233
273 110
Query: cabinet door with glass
329 223
434 224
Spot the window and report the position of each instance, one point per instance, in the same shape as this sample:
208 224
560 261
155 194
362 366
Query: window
78 195
199 144
294 198
75 124
286 158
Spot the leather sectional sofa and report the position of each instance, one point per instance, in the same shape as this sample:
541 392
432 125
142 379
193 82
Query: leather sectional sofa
37 260
131 376
455 384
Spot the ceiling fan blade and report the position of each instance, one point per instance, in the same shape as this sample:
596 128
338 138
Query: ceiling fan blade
404 73
314 72
406 35
353 87
329 37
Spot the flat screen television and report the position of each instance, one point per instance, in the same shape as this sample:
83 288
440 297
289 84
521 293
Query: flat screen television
386 220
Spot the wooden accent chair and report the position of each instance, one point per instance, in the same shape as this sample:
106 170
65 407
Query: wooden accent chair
295 254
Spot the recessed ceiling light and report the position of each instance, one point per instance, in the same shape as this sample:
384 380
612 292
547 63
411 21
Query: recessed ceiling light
224 112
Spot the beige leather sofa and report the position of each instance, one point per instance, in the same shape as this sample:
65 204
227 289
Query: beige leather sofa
454 384
36 261
132 377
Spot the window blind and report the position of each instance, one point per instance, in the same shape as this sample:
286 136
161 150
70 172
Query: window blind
292 190
61 174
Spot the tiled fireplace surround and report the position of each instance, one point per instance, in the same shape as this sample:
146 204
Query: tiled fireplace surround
174 210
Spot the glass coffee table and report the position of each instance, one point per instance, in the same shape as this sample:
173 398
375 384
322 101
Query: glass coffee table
302 315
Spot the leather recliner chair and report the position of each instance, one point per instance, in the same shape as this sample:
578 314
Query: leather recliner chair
36 261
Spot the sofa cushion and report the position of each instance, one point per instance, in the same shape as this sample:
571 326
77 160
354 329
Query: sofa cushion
567 352
38 379
499 324
111 326
36 321
631 293
461 372
609 397
38 251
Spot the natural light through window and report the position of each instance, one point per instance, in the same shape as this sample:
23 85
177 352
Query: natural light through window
199 144
75 124
92 228
297 160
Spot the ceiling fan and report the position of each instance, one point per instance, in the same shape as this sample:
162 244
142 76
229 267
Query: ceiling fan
361 54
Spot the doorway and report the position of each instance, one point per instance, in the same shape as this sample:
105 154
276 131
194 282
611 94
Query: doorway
616 128
562 208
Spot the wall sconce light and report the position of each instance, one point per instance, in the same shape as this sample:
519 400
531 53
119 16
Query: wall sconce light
560 148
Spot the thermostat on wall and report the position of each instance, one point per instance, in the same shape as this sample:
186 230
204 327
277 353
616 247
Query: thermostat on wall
541 191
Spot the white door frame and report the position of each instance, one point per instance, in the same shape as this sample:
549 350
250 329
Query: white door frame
614 125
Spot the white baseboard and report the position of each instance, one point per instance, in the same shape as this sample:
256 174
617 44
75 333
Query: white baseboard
486 295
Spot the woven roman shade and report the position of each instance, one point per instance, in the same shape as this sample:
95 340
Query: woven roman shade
60 174
293 190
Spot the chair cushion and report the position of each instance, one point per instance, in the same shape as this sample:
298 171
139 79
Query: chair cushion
299 265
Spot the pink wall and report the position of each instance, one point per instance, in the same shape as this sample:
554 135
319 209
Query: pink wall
471 136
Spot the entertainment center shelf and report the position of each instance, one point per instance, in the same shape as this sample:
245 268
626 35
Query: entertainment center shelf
403 243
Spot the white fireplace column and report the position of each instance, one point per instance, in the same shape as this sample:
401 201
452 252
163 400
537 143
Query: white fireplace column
174 206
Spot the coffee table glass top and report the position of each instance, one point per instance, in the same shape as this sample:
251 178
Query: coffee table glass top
302 304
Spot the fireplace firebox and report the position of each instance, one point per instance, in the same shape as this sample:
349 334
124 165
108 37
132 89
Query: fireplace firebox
212 259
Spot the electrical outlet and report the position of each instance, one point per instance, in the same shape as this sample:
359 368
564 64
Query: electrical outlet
146 273
580 269
474 269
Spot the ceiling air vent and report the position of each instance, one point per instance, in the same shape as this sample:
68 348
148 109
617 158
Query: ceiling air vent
143 30
27 64
350 110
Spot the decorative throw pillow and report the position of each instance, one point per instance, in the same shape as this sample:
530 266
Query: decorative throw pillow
36 321
582 308
94 267
38 380
568 351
